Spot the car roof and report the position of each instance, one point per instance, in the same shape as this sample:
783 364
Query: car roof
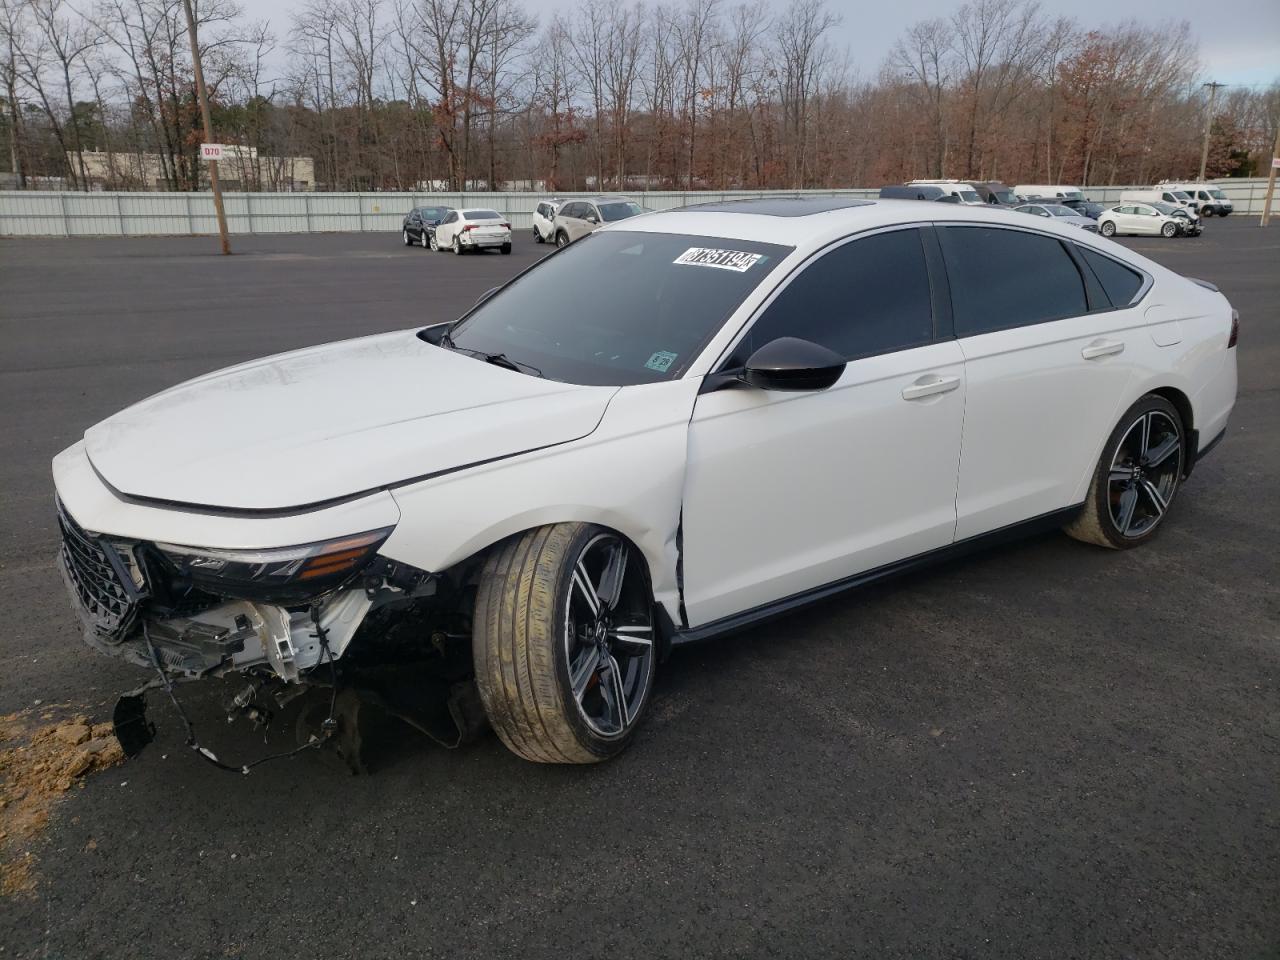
814 229
779 206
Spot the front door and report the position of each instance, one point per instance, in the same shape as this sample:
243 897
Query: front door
787 492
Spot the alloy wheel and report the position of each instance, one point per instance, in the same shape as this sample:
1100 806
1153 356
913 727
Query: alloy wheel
1144 474
608 636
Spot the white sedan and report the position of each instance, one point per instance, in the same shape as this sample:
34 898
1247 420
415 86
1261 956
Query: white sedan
477 229
781 399
1141 219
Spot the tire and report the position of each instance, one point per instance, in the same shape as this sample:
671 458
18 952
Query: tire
1136 479
537 236
562 239
431 240
1108 228
404 235
551 672
1206 211
457 245
506 248
1169 230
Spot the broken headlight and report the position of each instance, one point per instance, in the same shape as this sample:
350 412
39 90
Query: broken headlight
283 575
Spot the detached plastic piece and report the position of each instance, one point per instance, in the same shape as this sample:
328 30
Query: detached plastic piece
132 728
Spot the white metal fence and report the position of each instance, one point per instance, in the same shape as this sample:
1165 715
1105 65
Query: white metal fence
26 213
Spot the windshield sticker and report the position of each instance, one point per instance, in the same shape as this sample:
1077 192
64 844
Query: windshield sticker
662 360
735 260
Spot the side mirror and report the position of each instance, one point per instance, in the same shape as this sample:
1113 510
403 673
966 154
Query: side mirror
591 218
792 364
487 294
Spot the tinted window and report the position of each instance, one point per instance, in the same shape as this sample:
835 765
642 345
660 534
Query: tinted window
1120 283
866 297
654 299
432 213
482 214
1009 278
453 215
609 212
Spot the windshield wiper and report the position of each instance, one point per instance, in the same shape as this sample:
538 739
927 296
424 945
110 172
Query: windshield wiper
502 360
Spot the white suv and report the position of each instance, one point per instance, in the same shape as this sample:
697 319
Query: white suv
783 399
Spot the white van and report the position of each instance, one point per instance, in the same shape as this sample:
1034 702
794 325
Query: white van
1049 191
1211 199
962 190
1159 195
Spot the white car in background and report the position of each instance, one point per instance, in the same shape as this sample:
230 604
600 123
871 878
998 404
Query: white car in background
1139 219
778 401
544 215
478 228
1063 215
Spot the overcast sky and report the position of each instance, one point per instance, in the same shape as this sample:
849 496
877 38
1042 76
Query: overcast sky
1239 44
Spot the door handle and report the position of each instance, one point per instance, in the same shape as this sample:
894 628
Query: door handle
1102 348
928 386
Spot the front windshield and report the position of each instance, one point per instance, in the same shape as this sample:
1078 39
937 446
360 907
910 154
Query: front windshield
1072 195
1006 196
610 212
1181 195
969 196
1217 194
1166 208
618 307
1060 211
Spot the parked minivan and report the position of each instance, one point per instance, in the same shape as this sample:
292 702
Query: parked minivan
1211 199
903 191
1178 198
962 190
1048 191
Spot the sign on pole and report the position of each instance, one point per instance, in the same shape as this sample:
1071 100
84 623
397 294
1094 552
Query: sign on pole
1275 163
211 151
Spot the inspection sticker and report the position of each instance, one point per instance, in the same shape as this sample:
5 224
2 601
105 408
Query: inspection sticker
735 260
661 361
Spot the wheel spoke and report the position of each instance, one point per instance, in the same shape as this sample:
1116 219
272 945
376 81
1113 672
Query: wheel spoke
1157 501
614 575
637 640
581 675
1146 435
616 695
1162 451
582 580
1128 503
1120 474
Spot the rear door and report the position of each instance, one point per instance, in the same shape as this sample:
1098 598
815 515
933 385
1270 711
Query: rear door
786 492
1047 364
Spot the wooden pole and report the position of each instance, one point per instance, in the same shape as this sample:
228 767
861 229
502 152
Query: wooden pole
1271 181
208 126
1208 126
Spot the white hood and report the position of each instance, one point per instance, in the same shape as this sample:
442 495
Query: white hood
331 421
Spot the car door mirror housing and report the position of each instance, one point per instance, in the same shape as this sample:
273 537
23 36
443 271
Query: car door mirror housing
792 364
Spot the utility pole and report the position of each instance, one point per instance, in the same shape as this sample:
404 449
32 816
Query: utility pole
1208 125
1271 181
208 126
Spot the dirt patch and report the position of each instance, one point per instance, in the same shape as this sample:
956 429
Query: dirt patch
41 758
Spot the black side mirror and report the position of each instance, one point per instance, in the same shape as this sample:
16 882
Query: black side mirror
790 363
487 294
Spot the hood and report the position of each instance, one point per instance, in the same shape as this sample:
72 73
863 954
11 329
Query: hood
332 421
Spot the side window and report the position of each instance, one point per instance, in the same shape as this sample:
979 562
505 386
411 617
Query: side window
1009 278
569 210
866 297
1120 283
452 217
589 210
1202 195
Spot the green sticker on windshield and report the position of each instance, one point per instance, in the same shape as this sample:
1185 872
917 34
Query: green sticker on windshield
661 361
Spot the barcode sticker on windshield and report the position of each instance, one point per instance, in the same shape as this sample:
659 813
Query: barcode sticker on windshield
735 260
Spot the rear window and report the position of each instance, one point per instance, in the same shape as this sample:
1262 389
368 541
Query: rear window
1009 278
1120 283
643 306
482 214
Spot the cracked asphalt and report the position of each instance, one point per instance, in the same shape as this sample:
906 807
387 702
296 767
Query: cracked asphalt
1047 750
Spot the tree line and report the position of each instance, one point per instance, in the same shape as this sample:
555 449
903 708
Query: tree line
685 94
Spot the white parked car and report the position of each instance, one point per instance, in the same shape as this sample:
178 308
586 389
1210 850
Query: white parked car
781 399
1141 219
1063 214
544 215
474 229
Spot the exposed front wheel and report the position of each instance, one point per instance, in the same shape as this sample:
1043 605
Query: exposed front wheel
562 239
1169 230
1136 479
563 643
1108 229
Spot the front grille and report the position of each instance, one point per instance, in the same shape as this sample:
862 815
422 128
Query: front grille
98 578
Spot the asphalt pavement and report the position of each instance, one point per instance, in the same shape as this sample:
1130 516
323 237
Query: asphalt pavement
1047 750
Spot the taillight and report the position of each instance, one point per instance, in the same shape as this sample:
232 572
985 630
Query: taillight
505 226
1235 328
469 226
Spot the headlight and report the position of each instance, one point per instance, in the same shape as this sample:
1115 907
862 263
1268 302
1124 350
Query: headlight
281 575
